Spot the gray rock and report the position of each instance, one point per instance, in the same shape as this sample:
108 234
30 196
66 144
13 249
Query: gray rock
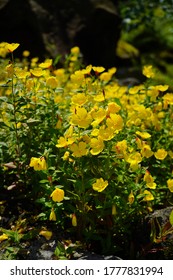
48 28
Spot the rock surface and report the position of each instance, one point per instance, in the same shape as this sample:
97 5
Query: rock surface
53 27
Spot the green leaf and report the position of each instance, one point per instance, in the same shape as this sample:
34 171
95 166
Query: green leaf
171 218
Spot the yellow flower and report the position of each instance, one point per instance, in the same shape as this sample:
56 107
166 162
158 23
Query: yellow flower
75 50
168 98
57 195
79 149
148 71
52 216
52 82
46 233
26 53
148 196
98 69
160 154
146 151
143 135
66 155
115 121
3 237
81 118
37 72
170 184
114 210
46 64
100 185
63 142
120 148
13 46
106 133
149 180
38 163
131 197
74 220
134 159
79 99
97 145
113 108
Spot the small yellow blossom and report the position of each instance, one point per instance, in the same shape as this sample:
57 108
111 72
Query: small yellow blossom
97 145
3 237
46 233
148 71
149 180
52 82
79 99
66 155
12 47
115 121
120 148
160 154
57 195
148 196
113 108
146 151
134 159
131 198
114 210
38 163
100 185
46 64
74 220
170 184
75 50
79 149
81 118
143 135
98 69
52 216
37 72
64 142
26 53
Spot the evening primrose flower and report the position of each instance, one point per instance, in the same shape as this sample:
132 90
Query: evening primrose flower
81 117
74 220
52 216
37 72
146 151
148 71
115 121
57 195
113 108
12 47
64 142
79 99
100 185
97 145
79 149
46 233
143 135
148 196
98 69
134 159
120 148
52 82
38 163
149 180
160 154
3 237
131 198
46 64
170 184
